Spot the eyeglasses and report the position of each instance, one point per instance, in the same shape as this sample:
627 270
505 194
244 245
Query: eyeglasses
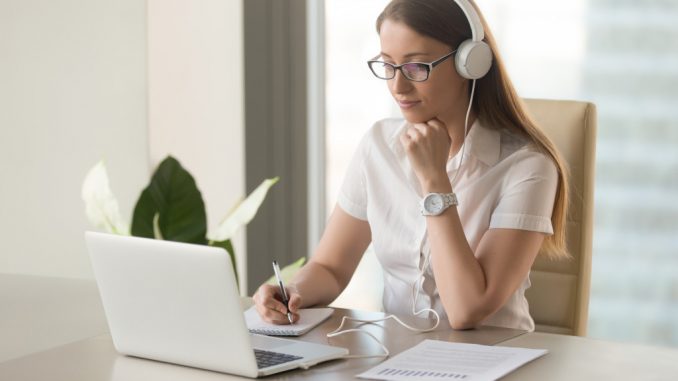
414 71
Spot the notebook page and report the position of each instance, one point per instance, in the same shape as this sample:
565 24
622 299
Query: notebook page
435 360
309 318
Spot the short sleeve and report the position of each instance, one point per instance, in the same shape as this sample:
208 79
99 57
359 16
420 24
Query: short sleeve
352 196
529 191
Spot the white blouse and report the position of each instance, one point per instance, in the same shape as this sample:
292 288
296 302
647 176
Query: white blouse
504 182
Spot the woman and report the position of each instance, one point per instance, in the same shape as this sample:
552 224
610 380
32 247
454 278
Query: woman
458 198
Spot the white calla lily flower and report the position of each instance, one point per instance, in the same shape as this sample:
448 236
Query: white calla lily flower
243 213
101 206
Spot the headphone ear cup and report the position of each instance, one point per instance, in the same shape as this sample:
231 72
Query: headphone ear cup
473 59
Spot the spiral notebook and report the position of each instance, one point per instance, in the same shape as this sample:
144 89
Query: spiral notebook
309 318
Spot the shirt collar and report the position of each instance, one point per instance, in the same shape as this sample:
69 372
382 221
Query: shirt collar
484 143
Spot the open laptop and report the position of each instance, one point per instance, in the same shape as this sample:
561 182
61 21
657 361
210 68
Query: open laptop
179 303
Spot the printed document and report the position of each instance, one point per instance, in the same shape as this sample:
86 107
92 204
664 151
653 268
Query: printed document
435 360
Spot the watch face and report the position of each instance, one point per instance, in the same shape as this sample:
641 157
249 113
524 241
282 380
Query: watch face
433 203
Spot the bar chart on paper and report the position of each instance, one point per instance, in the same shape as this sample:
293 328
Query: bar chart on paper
435 360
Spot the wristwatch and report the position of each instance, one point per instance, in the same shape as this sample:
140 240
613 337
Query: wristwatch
434 204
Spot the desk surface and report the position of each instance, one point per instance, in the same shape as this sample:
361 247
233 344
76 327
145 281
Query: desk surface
38 313
580 358
78 315
95 358
569 358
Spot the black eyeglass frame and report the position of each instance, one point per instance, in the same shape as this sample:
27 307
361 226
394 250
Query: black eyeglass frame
428 65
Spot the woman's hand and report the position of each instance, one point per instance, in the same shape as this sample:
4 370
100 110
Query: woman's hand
268 303
428 147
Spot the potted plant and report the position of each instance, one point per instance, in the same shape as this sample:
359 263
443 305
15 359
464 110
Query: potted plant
171 208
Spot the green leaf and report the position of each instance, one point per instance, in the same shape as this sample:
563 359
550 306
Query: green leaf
228 246
101 206
288 272
243 213
174 196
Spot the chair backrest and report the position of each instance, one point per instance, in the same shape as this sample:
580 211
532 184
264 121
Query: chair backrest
559 296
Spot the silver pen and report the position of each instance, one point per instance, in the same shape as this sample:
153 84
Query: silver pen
283 293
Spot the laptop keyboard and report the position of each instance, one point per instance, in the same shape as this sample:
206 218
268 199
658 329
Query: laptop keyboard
266 358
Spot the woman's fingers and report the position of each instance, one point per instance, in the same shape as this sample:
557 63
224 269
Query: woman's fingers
273 310
433 128
421 128
268 306
295 302
272 316
413 133
435 123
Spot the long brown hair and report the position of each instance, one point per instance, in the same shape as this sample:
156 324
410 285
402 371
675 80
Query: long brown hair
496 102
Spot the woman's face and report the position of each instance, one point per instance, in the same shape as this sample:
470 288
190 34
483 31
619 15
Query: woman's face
443 95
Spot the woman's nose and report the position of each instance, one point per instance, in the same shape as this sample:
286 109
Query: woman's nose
400 84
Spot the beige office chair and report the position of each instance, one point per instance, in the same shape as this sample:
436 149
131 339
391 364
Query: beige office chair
559 296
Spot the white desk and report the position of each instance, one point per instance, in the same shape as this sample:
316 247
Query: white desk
569 358
41 313
580 358
38 313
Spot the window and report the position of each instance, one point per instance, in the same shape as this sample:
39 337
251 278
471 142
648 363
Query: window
355 99
621 55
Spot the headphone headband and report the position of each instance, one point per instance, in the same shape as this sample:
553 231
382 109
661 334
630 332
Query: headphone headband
477 31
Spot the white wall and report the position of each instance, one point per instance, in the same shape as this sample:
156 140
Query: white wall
196 109
128 81
72 91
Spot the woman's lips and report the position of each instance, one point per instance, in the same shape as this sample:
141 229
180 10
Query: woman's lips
407 104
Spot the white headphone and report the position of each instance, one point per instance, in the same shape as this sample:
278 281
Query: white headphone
474 57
